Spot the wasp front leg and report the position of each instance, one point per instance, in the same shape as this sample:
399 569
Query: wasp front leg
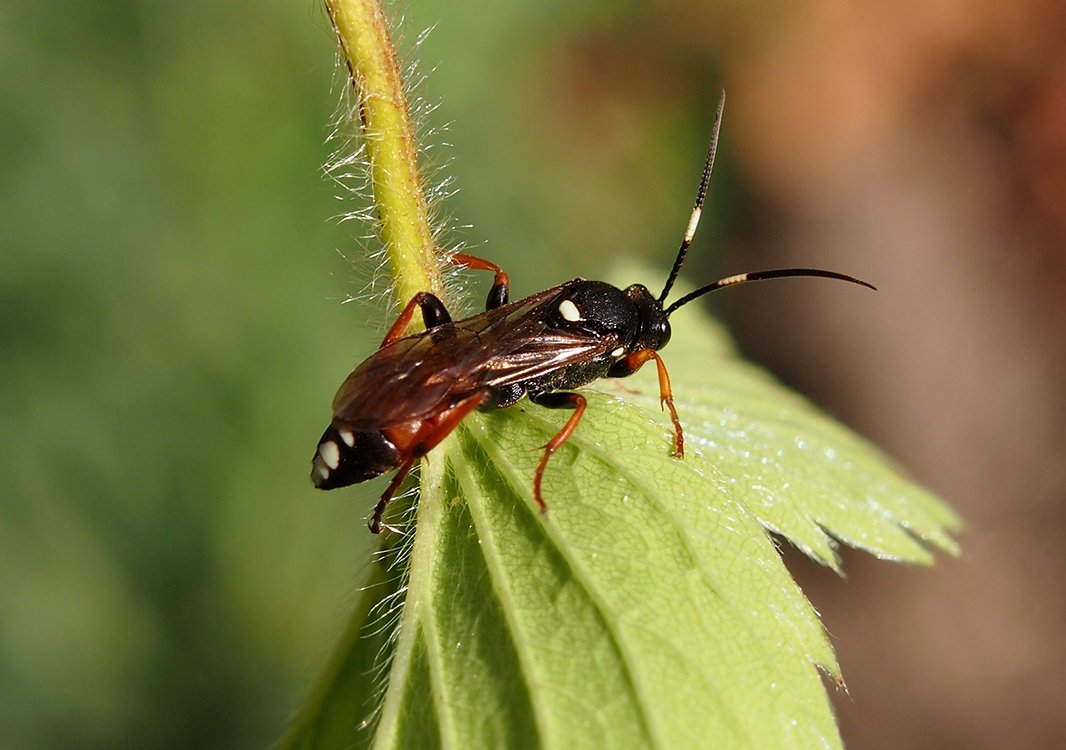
633 362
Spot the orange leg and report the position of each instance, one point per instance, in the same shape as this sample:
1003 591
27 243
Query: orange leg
666 398
559 400
426 439
634 362
501 284
434 313
386 498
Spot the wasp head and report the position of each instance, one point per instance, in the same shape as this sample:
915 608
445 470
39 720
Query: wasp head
653 328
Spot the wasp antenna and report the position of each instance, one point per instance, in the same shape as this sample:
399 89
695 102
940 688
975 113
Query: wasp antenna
694 219
779 273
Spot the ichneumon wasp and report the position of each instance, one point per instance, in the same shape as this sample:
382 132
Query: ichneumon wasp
414 390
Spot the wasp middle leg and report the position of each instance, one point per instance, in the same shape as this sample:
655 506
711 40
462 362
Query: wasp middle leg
556 400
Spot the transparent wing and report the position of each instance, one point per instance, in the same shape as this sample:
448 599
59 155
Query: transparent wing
422 374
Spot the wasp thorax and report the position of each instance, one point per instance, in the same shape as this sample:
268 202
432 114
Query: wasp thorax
599 309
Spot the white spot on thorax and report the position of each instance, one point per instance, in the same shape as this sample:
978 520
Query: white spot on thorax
569 311
618 352
331 454
348 437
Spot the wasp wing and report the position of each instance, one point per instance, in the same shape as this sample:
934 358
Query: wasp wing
421 375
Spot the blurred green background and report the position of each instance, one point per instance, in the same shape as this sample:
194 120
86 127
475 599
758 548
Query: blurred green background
172 331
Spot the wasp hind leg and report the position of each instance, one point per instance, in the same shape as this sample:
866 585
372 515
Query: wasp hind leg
556 400
434 314
379 510
427 438
501 284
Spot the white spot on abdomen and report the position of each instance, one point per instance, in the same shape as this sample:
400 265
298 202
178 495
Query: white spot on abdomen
331 454
348 437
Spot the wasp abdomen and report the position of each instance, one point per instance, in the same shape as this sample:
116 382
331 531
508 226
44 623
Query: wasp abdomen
346 457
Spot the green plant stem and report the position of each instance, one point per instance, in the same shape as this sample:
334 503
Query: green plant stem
346 692
363 32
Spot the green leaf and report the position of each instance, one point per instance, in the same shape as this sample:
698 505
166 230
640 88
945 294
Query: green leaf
802 474
650 608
